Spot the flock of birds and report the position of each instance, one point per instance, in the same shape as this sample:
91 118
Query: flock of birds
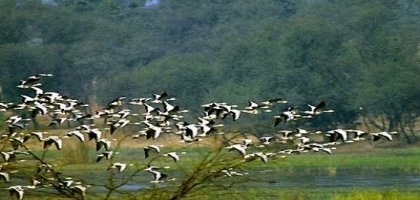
153 118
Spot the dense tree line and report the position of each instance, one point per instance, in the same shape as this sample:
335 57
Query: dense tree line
361 57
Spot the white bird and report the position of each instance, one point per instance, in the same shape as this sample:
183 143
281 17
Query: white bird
27 100
158 176
123 114
151 167
263 157
238 147
76 133
235 114
173 155
94 133
191 130
56 121
301 132
103 142
229 172
285 116
52 97
53 140
207 130
107 155
377 136
358 134
153 131
141 133
40 108
286 134
44 168
156 148
113 125
246 141
324 149
138 101
290 151
44 75
150 110
203 121
66 183
35 182
115 103
251 106
32 80
303 140
79 189
273 101
4 176
85 127
337 134
168 108
38 135
16 142
158 98
252 156
215 110
17 191
13 119
5 106
38 91
313 109
266 140
253 112
119 166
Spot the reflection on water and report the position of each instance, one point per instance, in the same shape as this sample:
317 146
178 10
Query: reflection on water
133 187
329 179
315 179
353 180
343 179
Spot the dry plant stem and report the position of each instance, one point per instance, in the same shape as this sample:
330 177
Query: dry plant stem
62 190
112 187
202 174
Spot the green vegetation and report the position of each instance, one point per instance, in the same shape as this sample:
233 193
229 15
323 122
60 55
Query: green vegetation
354 54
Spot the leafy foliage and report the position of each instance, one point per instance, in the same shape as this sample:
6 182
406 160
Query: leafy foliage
353 54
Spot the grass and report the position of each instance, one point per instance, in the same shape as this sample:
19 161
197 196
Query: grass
352 161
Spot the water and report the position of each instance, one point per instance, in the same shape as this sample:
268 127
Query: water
298 178
313 180
342 179
349 181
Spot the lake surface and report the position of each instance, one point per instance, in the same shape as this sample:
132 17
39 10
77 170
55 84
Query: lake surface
348 180
312 180
340 179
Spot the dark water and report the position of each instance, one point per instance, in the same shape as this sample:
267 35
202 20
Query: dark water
343 179
331 180
353 180
391 179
